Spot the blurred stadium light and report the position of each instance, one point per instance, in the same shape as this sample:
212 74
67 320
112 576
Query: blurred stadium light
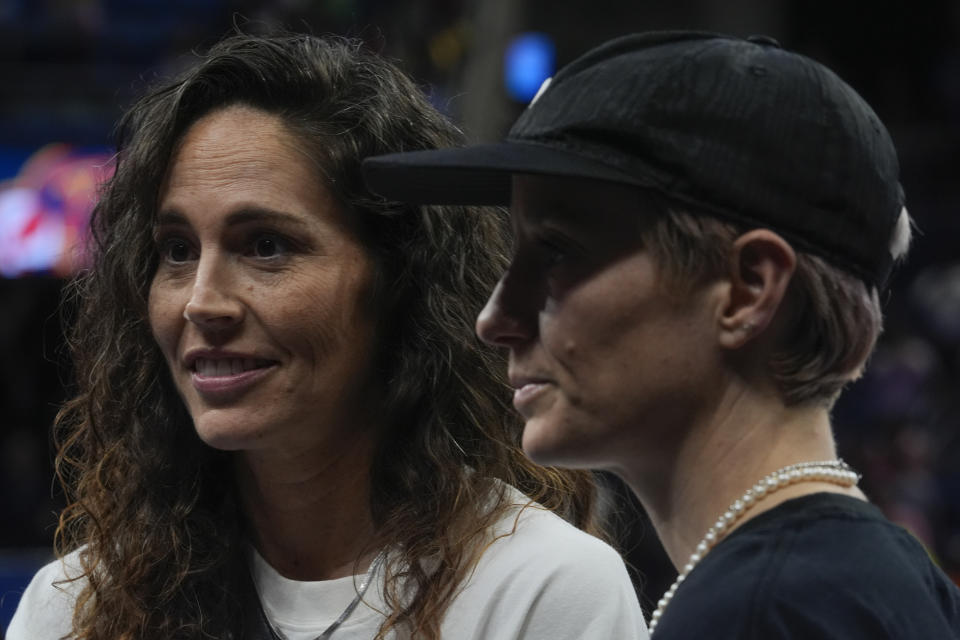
530 59
45 209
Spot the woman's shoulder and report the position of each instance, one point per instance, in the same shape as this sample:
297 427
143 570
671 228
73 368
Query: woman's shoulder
533 530
45 609
540 574
536 546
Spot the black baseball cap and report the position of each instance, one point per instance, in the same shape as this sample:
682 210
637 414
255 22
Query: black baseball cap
739 128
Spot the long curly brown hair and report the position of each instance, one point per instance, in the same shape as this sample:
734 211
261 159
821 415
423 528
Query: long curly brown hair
154 511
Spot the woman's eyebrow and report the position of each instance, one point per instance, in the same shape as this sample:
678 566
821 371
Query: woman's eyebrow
244 215
264 214
170 217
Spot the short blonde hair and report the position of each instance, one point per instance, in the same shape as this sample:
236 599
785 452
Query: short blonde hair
835 317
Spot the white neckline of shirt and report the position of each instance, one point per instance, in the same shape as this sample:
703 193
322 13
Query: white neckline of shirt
307 605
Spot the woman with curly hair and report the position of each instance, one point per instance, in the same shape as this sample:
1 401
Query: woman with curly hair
284 427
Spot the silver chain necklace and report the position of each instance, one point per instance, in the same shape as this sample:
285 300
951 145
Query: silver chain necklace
276 634
833 471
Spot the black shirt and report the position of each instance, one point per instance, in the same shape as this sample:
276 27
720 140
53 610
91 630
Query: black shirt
822 566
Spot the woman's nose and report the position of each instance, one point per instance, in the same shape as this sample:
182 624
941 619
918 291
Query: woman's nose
212 304
508 319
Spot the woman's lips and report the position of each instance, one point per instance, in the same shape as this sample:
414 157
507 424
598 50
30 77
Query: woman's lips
525 395
226 378
227 365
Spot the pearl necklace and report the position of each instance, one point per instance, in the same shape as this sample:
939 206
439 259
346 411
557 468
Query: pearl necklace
833 471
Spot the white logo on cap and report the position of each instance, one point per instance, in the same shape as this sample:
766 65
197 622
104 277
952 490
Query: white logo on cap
543 87
902 232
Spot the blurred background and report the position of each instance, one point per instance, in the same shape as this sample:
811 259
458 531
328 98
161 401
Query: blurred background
70 67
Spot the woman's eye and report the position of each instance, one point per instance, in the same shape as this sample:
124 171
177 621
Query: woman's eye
552 253
176 250
269 246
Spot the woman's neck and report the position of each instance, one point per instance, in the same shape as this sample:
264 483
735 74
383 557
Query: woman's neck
310 510
749 437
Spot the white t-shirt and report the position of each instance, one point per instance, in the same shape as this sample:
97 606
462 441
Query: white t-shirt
546 581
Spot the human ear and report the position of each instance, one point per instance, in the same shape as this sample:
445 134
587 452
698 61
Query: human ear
760 268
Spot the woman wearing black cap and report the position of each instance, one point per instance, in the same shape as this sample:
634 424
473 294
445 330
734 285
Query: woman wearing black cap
703 226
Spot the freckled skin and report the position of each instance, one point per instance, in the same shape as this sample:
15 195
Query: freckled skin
306 306
625 365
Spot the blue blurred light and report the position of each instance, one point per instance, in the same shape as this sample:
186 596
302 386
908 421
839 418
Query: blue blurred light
528 61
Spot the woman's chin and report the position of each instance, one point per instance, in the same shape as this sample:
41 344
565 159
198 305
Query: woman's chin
228 437
550 444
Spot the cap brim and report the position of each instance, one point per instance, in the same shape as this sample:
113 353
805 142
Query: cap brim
476 175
